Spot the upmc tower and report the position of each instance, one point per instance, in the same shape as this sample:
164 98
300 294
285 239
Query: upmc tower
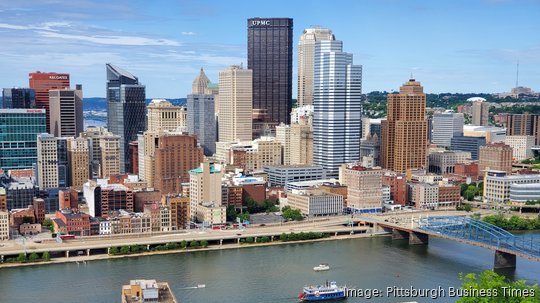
270 58
42 83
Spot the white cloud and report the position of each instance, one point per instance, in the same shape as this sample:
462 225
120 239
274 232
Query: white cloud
111 40
12 26
188 34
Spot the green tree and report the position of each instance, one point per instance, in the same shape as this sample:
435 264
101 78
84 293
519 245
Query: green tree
204 243
244 216
496 284
194 244
113 250
292 214
183 244
124 250
249 240
48 224
231 213
33 257
21 258
46 256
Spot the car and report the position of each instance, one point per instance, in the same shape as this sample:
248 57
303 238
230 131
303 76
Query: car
262 224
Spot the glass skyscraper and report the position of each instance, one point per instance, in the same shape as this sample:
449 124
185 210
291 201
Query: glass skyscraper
337 107
18 131
126 115
201 121
18 98
270 58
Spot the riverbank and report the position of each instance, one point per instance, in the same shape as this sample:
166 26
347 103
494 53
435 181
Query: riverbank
84 259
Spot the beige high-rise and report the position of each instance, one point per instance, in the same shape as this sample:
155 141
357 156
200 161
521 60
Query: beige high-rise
66 112
200 84
283 136
235 104
47 161
94 135
404 133
78 159
162 115
480 113
110 155
306 55
495 156
364 186
301 142
204 189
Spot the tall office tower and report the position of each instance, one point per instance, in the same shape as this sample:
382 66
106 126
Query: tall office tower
270 59
306 57
204 187
524 125
62 161
201 121
42 83
47 161
337 107
200 84
480 112
162 115
110 151
301 142
174 156
283 136
18 131
18 98
126 106
94 135
404 133
235 104
78 162
495 156
445 126
66 112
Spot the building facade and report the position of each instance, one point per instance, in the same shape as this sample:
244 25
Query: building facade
337 107
66 116
445 126
301 142
283 136
201 121
205 193
468 144
41 83
524 125
78 162
162 115
18 98
315 202
280 175
443 162
364 187
480 113
521 146
496 156
497 185
47 161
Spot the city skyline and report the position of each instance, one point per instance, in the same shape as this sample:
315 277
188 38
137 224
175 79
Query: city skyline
452 50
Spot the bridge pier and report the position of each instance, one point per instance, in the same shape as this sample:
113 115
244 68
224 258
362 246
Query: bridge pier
399 234
221 242
504 260
416 238
67 254
88 252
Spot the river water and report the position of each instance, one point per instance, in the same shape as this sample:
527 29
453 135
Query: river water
262 274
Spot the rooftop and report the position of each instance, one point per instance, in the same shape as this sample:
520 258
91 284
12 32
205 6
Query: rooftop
140 291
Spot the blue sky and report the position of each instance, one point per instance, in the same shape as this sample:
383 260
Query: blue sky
450 46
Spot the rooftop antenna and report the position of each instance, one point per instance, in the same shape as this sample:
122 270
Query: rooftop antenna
517 74
411 76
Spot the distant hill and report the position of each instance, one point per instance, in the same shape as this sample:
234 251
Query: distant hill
100 104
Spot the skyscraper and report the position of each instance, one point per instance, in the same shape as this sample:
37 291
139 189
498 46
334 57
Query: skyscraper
126 115
445 126
495 156
480 112
162 115
18 131
110 163
200 84
283 136
42 83
66 116
201 121
18 98
235 104
78 162
306 57
270 59
404 133
524 125
47 163
337 107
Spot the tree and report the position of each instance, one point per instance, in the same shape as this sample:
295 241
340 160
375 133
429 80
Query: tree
124 250
231 213
33 257
249 240
194 244
292 214
48 224
113 251
183 244
46 256
497 286
244 216
21 258
204 243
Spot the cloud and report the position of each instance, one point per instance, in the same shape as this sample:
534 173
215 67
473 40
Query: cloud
188 34
49 26
111 40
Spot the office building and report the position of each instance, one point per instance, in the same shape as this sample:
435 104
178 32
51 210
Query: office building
337 107
18 131
126 110
235 106
180 214
497 186
301 142
4 225
404 133
521 146
201 121
78 162
66 116
19 192
257 154
443 162
496 156
281 175
315 202
283 136
522 193
468 144
302 112
397 182
200 84
271 60
480 111
364 187
370 147
18 98
524 125
306 62
491 133
103 198
445 126
162 115
371 126
41 83
205 193
47 161
104 157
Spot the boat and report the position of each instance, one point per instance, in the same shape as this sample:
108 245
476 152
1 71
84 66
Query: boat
329 291
321 267
201 285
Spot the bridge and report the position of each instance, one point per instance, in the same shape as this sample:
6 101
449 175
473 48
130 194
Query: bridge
465 230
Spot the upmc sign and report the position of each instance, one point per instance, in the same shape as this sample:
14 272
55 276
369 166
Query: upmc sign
260 22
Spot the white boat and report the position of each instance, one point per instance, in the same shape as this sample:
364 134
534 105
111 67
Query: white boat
321 267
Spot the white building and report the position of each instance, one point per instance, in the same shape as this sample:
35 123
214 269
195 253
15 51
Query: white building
204 189
4 225
337 107
47 161
497 186
445 126
302 112
424 195
105 227
444 162
521 146
315 202
280 175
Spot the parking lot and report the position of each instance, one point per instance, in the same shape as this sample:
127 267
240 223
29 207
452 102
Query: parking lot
265 218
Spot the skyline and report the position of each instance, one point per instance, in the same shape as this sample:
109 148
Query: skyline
165 44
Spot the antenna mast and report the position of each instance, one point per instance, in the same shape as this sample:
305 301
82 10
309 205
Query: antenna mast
517 74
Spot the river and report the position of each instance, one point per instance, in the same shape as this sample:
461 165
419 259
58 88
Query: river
261 274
